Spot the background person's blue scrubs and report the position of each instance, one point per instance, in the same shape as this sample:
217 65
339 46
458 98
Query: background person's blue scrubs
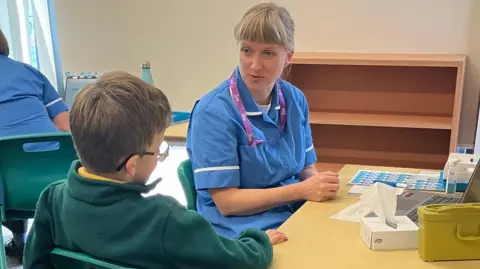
28 102
217 145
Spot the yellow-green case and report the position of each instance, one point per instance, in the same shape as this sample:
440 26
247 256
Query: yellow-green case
449 232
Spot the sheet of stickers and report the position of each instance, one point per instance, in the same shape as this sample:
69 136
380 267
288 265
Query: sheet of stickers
412 181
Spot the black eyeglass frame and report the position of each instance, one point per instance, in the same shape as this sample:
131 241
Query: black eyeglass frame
160 157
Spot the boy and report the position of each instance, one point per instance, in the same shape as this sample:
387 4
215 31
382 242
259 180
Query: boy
117 126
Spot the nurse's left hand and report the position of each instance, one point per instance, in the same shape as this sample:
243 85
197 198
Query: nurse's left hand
276 236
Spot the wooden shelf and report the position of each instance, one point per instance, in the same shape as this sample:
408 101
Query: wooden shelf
382 109
382 59
334 167
356 119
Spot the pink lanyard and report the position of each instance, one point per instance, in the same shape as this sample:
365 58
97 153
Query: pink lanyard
246 124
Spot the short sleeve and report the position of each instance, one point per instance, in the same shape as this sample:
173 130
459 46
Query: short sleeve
52 100
212 147
311 156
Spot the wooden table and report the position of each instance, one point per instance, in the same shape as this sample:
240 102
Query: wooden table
316 241
177 132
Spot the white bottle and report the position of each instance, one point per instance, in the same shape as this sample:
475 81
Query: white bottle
451 185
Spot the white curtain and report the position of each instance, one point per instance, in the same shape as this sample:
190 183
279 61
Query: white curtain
38 47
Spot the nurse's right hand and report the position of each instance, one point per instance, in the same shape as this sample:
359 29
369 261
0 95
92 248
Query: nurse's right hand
320 187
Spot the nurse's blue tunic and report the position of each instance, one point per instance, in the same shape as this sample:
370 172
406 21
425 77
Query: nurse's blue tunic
28 102
217 145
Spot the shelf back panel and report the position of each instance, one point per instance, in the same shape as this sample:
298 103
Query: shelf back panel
428 91
386 146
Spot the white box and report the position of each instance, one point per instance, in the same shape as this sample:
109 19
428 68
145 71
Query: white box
467 161
379 236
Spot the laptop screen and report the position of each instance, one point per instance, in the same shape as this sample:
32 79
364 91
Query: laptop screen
472 193
73 86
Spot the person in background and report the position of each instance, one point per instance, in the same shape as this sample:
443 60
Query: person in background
29 104
249 140
118 125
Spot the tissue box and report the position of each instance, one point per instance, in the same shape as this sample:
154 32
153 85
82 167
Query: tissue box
379 236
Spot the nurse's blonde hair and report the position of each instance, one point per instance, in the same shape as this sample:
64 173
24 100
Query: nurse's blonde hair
267 23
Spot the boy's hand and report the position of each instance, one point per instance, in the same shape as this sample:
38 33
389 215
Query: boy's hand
276 236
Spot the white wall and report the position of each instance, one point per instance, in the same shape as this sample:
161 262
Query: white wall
191 46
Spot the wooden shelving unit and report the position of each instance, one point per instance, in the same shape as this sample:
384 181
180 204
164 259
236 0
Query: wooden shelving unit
382 109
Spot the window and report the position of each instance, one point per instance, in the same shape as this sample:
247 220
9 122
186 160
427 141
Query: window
33 40
29 26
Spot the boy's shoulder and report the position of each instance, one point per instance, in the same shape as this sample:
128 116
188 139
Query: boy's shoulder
50 190
166 203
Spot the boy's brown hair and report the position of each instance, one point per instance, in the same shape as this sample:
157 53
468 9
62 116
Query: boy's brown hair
116 117
4 48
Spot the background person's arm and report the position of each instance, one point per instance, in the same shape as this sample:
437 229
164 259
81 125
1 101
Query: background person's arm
62 121
56 108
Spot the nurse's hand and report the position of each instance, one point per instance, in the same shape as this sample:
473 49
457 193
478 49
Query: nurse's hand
321 187
276 236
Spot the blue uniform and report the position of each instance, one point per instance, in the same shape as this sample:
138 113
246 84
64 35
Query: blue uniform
28 101
217 145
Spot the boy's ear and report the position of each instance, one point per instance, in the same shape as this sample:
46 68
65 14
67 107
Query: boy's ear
130 165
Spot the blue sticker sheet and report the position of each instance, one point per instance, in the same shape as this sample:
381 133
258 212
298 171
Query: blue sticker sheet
411 181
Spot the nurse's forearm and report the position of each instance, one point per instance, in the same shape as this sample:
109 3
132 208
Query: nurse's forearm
307 172
234 201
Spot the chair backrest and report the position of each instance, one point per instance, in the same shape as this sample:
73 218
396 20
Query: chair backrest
25 174
66 259
185 175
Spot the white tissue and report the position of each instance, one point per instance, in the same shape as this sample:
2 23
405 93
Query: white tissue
382 200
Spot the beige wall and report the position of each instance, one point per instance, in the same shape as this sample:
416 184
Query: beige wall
191 47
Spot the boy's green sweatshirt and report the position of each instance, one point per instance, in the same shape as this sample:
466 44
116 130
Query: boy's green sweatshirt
113 221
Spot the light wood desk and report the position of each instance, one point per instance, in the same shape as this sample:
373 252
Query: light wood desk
316 241
177 132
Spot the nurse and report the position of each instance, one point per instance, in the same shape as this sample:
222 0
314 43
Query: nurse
28 104
249 139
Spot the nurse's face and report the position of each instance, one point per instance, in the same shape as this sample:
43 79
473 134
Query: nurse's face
262 64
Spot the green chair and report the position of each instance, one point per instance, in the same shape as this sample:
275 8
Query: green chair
185 175
66 259
24 175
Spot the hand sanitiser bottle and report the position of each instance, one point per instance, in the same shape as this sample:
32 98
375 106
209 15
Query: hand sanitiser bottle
146 73
451 186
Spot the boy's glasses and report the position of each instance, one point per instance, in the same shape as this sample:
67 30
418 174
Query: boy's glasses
164 151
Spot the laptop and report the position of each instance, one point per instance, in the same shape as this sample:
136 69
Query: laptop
409 201
73 86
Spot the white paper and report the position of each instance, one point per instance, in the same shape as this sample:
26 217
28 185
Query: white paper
353 212
435 174
359 189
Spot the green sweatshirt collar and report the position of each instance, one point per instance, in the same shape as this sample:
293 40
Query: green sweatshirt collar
102 192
